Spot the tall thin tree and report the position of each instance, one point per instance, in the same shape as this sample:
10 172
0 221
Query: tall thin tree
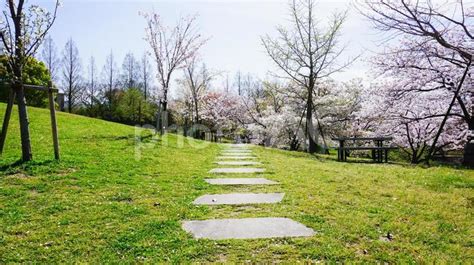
171 48
196 80
110 75
21 31
92 88
72 74
130 71
238 82
49 55
306 53
146 75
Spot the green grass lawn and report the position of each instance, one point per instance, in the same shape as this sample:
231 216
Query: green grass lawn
100 204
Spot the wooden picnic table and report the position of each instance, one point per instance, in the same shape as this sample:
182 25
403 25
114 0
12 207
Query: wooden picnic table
379 151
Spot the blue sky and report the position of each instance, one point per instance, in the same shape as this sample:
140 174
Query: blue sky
234 28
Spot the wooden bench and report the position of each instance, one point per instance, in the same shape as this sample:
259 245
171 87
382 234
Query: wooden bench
379 151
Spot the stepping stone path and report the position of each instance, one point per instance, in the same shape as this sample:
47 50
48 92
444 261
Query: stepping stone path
237 170
235 154
236 157
238 163
239 150
241 181
240 198
245 228
248 228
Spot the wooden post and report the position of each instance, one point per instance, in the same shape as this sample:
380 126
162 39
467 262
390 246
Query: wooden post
6 119
54 128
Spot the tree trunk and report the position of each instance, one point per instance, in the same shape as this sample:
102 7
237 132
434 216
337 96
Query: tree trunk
24 124
414 157
162 119
312 145
140 113
145 90
69 102
469 147
196 109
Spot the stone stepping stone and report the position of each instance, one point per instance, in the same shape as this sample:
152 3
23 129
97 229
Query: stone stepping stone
247 228
238 163
237 151
235 157
235 154
240 181
239 198
237 170
237 145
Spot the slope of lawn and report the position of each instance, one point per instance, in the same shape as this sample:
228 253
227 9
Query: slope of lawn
102 204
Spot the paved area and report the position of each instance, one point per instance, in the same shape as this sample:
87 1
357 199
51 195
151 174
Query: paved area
239 198
248 228
240 181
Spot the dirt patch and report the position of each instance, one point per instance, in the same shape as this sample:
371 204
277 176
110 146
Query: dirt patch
18 175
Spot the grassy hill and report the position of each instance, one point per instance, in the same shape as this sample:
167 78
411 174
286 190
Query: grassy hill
101 204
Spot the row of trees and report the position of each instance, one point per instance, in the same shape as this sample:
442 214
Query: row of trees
424 91
422 94
106 92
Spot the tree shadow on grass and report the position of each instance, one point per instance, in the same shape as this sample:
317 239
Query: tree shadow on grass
22 166
129 138
358 160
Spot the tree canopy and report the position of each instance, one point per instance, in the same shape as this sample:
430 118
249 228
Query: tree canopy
34 73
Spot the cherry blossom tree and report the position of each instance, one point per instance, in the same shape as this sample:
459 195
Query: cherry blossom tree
280 128
196 80
436 48
221 111
273 117
335 107
172 47
412 123
306 53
